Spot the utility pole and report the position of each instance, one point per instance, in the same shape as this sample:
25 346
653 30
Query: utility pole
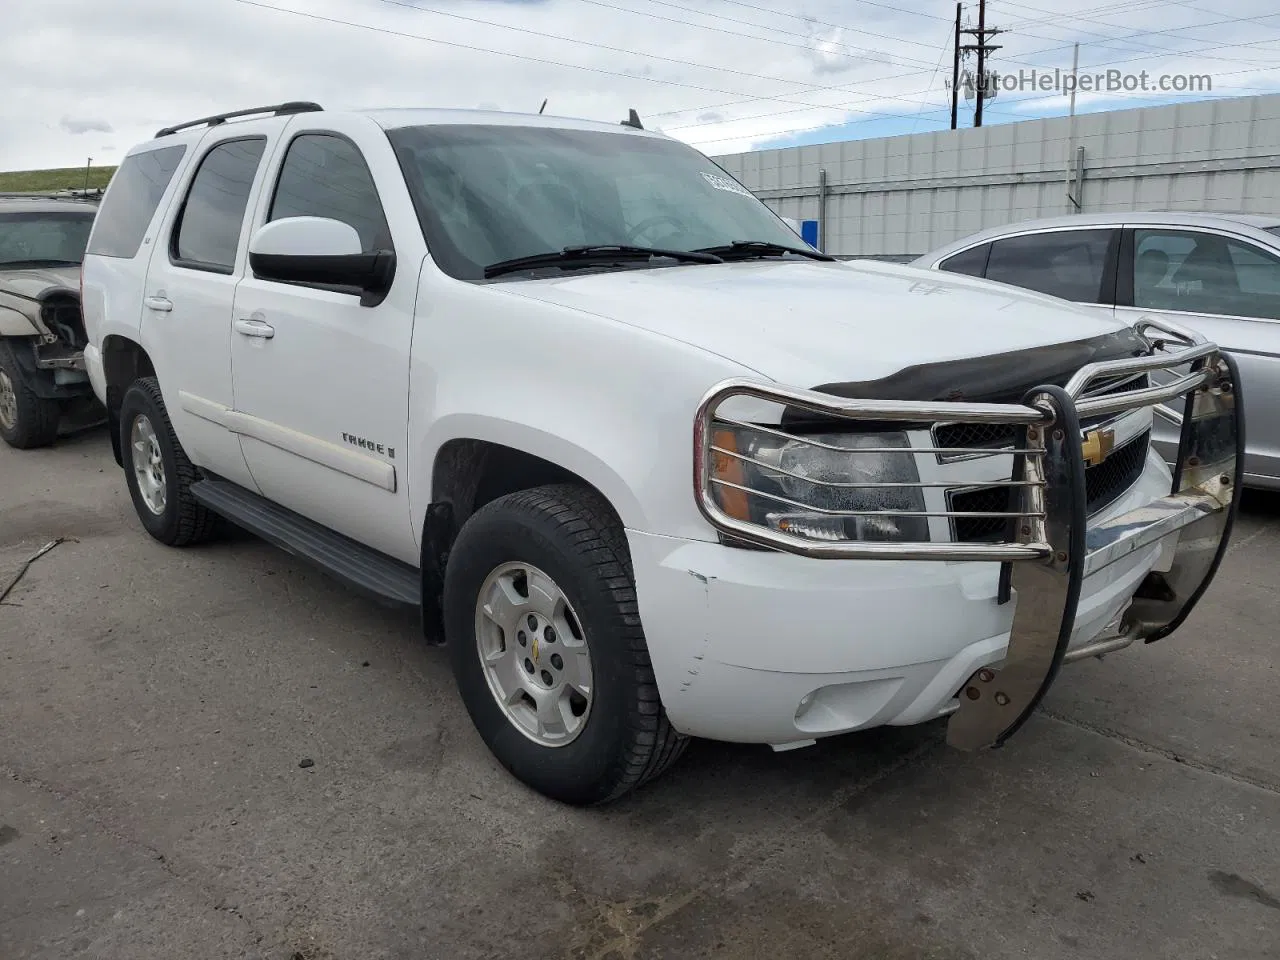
86 174
955 72
981 48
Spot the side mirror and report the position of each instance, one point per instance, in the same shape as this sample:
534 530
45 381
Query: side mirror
317 251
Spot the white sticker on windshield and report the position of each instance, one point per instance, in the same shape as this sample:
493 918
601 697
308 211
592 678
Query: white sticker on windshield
724 183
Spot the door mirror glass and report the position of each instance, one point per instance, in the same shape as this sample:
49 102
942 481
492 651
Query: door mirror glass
317 251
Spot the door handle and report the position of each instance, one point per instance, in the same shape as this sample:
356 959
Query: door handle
255 328
159 304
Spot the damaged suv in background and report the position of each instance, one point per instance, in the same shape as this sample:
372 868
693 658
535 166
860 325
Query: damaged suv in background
42 375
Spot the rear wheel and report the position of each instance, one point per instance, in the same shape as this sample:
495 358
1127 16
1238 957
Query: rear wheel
157 470
547 646
26 420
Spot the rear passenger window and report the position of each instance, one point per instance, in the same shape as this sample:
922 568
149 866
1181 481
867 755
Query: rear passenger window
325 176
1069 263
971 262
131 201
208 229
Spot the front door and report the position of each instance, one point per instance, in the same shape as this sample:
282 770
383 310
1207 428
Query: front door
322 380
1226 288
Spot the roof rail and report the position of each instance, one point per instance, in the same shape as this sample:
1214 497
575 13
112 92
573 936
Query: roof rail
276 110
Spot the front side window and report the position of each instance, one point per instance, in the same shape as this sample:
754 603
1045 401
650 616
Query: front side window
1196 272
1070 264
52 239
325 176
207 233
486 194
131 201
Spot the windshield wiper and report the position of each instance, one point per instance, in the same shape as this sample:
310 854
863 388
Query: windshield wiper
753 249
594 255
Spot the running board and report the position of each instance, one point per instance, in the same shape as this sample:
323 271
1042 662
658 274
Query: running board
372 573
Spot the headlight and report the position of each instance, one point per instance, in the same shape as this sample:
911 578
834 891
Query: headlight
790 484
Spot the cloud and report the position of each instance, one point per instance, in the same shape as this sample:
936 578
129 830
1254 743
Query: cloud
720 74
77 127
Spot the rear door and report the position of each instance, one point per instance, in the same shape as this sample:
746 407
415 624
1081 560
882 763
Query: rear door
197 262
322 377
1227 288
1075 264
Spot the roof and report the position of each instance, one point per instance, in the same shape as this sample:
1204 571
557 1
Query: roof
390 118
1152 218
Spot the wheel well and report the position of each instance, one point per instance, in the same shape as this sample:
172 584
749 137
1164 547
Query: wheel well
123 362
467 475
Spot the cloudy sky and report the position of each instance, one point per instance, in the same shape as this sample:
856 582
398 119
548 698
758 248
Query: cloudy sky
88 78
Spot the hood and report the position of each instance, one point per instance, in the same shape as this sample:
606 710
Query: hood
814 323
32 283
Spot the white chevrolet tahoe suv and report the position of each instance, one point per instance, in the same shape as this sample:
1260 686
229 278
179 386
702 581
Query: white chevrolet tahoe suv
650 466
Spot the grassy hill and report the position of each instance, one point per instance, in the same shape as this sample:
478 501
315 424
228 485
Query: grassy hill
66 178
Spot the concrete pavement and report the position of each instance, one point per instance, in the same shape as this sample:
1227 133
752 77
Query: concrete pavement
155 706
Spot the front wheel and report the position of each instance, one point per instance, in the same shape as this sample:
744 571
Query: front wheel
547 647
27 421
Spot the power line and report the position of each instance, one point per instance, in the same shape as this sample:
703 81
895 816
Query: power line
644 55
952 34
844 108
542 60
1005 58
863 53
1105 40
1165 32
868 3
779 13
866 100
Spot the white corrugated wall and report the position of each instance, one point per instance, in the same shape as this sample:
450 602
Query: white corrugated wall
905 195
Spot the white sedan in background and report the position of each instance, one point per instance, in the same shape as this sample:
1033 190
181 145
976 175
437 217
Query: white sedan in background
1218 274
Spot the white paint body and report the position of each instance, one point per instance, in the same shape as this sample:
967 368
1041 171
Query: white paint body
602 375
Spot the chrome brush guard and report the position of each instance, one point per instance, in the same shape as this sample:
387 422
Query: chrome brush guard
1049 547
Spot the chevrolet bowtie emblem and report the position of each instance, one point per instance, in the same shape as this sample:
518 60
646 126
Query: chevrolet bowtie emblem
1097 446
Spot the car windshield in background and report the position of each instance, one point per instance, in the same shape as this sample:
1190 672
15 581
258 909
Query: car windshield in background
490 194
1275 230
43 239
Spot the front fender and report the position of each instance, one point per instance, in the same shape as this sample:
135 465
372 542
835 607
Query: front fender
528 438
15 323
610 402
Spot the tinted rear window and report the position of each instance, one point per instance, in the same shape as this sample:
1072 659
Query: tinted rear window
207 233
1070 264
971 262
131 201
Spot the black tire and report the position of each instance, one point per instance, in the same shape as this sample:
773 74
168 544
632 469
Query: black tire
572 535
183 521
35 423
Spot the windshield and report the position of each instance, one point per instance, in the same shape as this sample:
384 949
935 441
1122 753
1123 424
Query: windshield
33 239
487 194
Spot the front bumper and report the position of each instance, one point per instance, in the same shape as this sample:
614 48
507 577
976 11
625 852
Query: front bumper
1145 566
